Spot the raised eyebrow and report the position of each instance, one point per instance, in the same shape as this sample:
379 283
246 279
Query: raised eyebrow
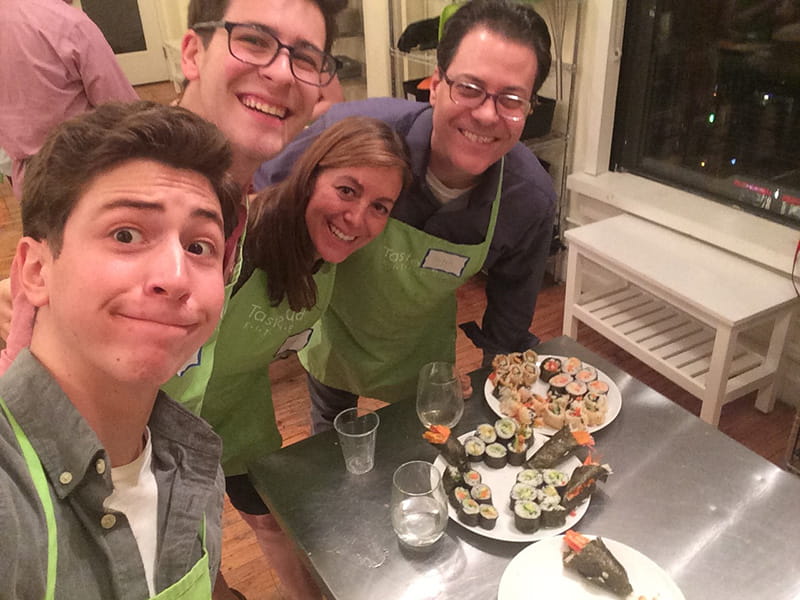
158 207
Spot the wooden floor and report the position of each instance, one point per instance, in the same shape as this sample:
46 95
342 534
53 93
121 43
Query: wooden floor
243 564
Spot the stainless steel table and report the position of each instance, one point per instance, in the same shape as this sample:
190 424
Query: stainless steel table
724 522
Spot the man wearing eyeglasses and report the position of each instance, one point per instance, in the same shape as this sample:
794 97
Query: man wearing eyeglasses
479 200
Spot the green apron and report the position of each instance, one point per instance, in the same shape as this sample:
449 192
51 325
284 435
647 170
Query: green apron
393 310
238 402
189 385
195 585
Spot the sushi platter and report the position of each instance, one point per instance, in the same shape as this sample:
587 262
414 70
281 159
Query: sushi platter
542 389
543 563
501 482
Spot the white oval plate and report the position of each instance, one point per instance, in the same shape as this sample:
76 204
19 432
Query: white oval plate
540 388
501 482
538 567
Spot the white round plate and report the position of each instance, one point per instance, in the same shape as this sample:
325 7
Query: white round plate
541 387
501 482
538 567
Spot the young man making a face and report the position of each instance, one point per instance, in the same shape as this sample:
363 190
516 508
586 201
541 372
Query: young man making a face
111 489
479 200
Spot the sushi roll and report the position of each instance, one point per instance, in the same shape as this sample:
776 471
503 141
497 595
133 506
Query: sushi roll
558 384
475 449
505 428
593 560
575 390
452 450
553 515
587 374
530 357
554 414
468 512
547 495
598 387
458 494
481 493
595 408
527 516
516 358
517 449
574 417
561 444
487 516
572 365
582 483
550 366
558 479
496 456
530 374
486 433
471 478
522 492
526 433
451 479
531 477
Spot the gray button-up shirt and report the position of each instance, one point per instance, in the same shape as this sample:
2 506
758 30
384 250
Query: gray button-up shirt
97 553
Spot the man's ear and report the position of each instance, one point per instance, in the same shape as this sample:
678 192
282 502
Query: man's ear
191 52
34 259
436 79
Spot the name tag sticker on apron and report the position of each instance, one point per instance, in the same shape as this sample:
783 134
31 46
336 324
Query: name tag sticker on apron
446 262
294 343
193 361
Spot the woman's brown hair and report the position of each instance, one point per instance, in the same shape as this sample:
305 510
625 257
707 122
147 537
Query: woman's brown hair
277 239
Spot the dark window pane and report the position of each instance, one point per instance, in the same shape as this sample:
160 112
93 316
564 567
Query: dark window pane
120 23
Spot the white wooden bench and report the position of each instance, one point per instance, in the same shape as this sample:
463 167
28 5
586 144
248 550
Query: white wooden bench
679 305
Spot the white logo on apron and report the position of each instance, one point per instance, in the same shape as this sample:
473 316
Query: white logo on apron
446 262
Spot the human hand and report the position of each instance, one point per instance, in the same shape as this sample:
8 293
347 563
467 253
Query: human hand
466 384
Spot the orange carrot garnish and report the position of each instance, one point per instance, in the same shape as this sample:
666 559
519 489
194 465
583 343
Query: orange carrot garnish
575 540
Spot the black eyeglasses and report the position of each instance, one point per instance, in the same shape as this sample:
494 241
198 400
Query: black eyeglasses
471 95
256 45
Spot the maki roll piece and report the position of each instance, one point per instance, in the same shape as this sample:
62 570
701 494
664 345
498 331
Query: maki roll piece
529 357
487 516
595 563
527 516
562 444
517 448
558 479
481 493
548 495
451 449
586 375
530 476
582 483
598 387
505 428
572 365
522 492
525 432
553 515
555 414
458 495
575 390
486 433
550 366
475 449
451 479
530 374
471 478
468 512
558 384
496 456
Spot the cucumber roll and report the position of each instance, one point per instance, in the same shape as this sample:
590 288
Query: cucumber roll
521 492
487 516
558 479
548 494
475 449
550 366
468 512
486 433
471 478
496 456
481 493
517 448
458 494
505 428
553 515
527 516
530 476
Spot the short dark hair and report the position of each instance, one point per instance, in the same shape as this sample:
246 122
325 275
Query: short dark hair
277 239
513 20
201 11
88 145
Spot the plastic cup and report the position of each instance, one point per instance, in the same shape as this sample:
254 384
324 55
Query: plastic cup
357 429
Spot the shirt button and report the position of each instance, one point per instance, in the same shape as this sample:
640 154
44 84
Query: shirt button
100 466
108 521
65 477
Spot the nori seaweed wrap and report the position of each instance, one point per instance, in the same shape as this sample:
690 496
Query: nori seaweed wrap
451 479
527 516
468 512
561 445
487 516
553 515
458 494
594 561
582 483
452 450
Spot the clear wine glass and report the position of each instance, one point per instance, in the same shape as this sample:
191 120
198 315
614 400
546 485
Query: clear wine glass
419 504
439 397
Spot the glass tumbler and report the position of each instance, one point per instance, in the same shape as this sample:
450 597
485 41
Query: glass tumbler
419 504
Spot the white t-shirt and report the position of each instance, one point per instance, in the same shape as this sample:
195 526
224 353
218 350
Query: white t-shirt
451 199
136 496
